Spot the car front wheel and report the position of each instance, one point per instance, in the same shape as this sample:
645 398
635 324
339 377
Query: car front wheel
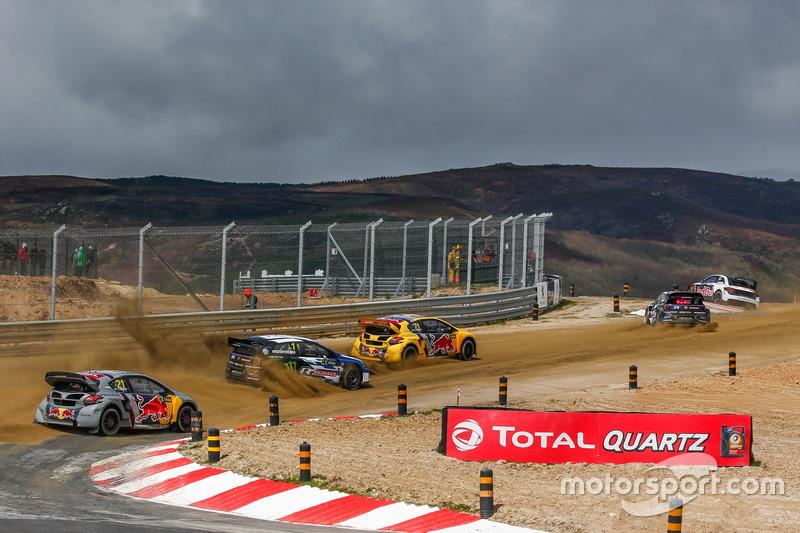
109 422
467 350
718 297
351 378
183 423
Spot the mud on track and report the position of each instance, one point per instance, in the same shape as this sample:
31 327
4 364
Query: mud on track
576 358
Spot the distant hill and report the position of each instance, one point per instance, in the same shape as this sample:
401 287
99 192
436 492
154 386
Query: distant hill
610 225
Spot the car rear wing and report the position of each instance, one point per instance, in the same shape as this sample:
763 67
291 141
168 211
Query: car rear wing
364 323
54 377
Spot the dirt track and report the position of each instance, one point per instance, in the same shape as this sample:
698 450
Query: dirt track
573 359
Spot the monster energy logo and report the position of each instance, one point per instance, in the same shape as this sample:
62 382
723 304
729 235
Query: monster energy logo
291 365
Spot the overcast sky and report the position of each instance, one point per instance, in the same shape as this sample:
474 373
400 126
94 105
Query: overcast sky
308 91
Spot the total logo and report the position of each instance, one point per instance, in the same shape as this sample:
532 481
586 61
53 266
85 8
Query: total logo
467 435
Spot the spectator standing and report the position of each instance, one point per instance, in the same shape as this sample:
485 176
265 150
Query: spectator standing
91 256
24 259
41 260
252 299
80 262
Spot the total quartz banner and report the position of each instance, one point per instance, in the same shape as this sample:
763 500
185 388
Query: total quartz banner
494 434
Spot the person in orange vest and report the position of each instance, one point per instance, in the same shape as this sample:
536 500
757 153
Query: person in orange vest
454 263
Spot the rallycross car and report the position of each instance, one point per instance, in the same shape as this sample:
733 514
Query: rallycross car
727 289
107 400
246 363
677 307
397 339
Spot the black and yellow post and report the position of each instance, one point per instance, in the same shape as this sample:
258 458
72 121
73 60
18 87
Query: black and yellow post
487 492
503 390
675 517
616 303
213 445
535 312
402 400
732 364
274 416
305 462
571 290
633 377
625 288
197 426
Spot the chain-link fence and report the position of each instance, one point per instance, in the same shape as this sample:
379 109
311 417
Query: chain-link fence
190 269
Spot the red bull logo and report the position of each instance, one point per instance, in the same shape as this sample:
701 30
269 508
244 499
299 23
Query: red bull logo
371 352
61 413
443 344
153 409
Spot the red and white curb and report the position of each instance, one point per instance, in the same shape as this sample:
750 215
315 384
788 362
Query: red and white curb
162 474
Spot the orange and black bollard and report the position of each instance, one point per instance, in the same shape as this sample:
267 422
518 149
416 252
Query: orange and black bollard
305 462
625 288
402 400
675 518
197 426
213 445
732 364
487 492
535 312
633 377
571 290
274 418
503 390
616 303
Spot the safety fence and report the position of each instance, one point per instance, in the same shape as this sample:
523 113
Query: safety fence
66 337
383 259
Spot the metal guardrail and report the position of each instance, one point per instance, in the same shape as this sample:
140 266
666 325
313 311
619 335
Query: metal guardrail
71 336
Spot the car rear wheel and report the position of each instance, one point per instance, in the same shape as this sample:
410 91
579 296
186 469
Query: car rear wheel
352 377
409 354
183 423
109 422
467 350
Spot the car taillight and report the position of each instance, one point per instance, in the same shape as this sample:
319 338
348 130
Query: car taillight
395 340
682 301
91 400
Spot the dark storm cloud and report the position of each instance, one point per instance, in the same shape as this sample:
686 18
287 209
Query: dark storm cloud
317 90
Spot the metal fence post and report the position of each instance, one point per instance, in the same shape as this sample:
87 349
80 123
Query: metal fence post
525 250
303 229
222 266
402 285
443 277
502 252
372 257
53 281
469 255
141 265
511 281
325 284
430 254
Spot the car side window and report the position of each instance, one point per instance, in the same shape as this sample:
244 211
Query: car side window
416 327
710 279
155 388
140 385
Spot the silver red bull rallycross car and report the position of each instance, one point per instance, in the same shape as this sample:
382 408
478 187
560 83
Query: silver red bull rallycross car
106 400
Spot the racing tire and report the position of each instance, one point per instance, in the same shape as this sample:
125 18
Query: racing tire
183 422
659 319
718 297
467 350
351 378
410 354
109 422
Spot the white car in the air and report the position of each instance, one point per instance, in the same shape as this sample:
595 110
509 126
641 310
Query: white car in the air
723 289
